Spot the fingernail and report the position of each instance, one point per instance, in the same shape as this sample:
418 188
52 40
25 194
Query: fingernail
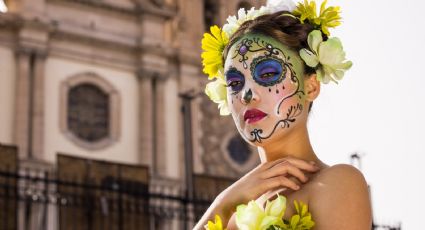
297 187
312 162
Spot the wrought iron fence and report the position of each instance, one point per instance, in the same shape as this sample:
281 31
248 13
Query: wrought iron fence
37 200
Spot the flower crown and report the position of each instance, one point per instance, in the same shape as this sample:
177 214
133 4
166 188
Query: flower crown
326 57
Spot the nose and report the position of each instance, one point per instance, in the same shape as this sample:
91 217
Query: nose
248 96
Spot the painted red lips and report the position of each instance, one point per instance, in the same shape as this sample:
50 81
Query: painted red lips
253 115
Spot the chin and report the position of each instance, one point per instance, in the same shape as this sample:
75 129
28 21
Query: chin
267 138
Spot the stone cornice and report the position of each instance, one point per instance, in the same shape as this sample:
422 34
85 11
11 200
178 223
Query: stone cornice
145 73
127 47
39 53
140 8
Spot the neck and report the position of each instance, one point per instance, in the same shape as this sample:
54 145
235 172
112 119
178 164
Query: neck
296 145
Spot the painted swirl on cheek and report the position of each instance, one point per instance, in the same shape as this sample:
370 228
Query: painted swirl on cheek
293 112
267 71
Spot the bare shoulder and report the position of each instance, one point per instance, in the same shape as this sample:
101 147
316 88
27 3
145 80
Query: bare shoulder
340 174
339 199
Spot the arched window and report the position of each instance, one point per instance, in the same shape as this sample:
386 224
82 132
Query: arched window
239 155
239 150
210 13
89 111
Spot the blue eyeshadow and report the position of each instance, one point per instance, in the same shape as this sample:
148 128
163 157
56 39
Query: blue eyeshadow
267 71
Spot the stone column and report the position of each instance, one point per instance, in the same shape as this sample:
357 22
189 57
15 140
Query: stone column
146 133
37 114
29 106
22 108
152 128
160 157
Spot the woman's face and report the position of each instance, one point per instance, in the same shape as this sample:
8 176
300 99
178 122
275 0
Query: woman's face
265 88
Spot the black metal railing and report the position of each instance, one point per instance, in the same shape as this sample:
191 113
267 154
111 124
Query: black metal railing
38 200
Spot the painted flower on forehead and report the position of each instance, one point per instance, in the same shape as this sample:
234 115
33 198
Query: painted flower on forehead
327 57
213 45
217 92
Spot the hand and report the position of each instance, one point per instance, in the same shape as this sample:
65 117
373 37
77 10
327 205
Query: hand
265 177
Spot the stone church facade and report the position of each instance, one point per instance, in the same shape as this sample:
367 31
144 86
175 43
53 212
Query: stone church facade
104 79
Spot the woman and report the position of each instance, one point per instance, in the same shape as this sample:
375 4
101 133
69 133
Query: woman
273 65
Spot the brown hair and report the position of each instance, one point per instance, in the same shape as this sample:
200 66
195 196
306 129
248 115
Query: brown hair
282 26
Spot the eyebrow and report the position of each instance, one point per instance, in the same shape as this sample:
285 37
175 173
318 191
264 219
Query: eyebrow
232 69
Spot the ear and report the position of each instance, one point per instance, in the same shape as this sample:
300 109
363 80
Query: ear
311 87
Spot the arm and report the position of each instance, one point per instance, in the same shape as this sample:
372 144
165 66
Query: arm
341 200
218 207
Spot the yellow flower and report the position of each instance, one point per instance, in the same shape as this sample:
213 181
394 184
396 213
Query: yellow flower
328 17
306 11
217 225
301 220
213 45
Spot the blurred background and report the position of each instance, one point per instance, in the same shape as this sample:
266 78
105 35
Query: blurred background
104 124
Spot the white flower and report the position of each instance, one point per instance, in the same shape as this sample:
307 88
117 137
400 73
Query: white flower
273 6
329 54
280 5
254 217
264 10
233 22
217 92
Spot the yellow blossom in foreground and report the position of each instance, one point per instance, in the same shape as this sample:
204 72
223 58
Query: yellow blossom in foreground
217 225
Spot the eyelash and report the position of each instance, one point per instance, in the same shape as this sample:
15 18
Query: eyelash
268 75
233 84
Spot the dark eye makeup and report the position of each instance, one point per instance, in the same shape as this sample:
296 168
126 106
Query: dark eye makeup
267 71
234 79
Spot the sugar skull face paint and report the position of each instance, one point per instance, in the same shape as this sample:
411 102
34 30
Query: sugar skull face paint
265 88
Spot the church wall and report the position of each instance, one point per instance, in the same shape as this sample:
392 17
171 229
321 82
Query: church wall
125 149
7 92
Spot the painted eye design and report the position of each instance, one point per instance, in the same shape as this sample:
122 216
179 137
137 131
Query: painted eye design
235 80
267 71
